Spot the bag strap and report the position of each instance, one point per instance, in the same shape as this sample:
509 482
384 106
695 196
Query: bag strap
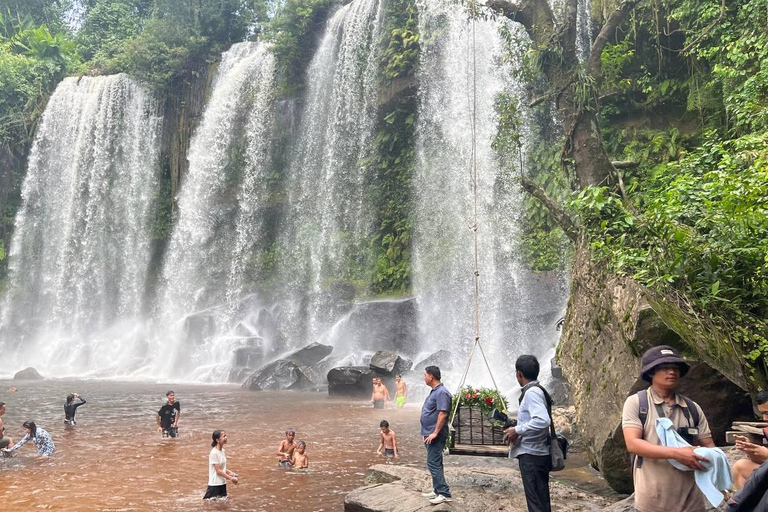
549 401
642 397
690 412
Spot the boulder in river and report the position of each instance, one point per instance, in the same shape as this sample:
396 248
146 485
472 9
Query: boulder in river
351 381
443 359
28 374
281 375
389 363
310 355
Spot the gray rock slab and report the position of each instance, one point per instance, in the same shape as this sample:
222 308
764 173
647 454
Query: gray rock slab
28 374
389 363
394 488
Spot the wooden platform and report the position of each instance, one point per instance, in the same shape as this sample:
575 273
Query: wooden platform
487 450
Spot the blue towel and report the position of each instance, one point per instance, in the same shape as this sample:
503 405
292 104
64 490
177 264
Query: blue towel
714 478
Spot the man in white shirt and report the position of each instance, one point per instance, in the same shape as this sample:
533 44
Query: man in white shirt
529 439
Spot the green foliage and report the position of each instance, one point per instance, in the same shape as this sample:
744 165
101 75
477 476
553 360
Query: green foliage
160 41
401 56
292 30
484 399
702 236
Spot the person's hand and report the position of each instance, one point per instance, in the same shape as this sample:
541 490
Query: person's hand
234 480
159 429
756 453
378 452
687 457
511 436
431 437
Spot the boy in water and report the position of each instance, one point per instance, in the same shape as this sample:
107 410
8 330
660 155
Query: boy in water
5 441
300 457
402 391
286 449
388 441
168 416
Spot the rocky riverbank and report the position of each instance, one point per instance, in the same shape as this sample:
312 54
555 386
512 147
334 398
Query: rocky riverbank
477 483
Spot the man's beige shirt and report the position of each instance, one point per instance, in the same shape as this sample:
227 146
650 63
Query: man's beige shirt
659 486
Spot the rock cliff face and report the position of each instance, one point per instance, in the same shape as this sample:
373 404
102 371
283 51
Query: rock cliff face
609 324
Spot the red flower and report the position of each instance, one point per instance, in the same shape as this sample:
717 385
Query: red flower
469 396
474 396
477 389
489 401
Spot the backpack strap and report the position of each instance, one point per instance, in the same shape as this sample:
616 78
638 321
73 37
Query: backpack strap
691 413
642 397
693 410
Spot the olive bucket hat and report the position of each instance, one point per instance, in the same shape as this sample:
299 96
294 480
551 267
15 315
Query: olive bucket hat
663 354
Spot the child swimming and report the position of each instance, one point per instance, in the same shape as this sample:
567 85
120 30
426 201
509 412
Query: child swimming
388 441
300 457
286 449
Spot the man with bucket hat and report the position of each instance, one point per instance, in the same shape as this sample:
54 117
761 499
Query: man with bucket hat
659 486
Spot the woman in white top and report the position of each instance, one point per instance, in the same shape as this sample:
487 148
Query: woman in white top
217 468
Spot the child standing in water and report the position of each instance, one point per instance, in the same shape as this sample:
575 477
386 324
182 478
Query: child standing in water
300 457
286 449
388 441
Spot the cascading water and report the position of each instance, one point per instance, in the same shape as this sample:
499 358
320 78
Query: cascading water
518 310
327 220
81 246
209 270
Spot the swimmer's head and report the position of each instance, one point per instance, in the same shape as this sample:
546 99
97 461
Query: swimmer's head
2 408
171 396
301 446
218 436
290 433
70 397
398 377
30 428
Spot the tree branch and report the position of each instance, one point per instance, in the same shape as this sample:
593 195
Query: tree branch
595 63
557 211
707 30
625 164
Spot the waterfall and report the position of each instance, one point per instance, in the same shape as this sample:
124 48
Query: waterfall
81 246
518 310
328 222
209 268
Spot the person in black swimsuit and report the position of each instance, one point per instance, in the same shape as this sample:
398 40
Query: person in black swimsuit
70 408
168 416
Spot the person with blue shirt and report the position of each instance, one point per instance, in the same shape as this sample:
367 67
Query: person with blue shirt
434 430
529 439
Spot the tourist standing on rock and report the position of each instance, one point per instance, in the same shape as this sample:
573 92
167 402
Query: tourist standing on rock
434 429
5 442
659 486
38 436
218 475
168 416
529 439
401 393
380 394
70 408
756 454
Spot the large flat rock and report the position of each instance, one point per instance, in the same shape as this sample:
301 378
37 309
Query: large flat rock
394 488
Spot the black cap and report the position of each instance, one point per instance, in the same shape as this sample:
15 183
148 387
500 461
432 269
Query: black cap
663 354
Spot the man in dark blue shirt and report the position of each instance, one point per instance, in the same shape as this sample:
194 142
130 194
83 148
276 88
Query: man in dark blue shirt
434 429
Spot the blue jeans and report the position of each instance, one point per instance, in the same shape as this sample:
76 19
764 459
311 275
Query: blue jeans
435 465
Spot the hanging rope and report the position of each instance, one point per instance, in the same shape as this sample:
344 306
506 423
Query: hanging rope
474 227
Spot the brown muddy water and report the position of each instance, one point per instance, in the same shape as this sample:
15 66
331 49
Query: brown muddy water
115 460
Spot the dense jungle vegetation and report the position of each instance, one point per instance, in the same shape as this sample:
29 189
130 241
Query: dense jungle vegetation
680 94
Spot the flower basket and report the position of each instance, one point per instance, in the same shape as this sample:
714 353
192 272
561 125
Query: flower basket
471 424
